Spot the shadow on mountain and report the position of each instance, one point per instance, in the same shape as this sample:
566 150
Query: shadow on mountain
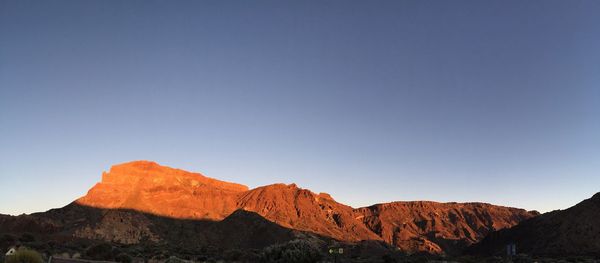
77 228
571 232
241 229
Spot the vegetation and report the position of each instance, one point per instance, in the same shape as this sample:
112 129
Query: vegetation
103 251
24 255
123 258
7 240
174 259
27 237
296 251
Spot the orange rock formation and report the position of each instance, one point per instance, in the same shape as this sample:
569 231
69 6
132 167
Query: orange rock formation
148 187
412 226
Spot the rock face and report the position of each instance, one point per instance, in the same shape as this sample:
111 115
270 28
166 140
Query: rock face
142 201
301 209
437 227
151 188
573 231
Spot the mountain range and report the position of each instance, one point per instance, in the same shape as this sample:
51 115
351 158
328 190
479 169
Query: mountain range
144 202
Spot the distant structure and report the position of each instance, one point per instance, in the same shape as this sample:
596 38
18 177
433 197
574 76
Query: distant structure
335 251
511 250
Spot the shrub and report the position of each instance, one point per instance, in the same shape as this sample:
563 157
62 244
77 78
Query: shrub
102 251
250 256
233 254
7 240
24 255
522 258
387 258
296 251
174 259
27 237
123 258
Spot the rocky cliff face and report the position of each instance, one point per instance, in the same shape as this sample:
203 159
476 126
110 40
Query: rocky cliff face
144 201
151 188
437 227
293 207
573 231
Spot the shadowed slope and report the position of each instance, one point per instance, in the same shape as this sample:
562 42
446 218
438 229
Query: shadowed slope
574 231
241 229
249 229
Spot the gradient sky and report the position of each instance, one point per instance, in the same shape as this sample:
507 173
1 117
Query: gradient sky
370 101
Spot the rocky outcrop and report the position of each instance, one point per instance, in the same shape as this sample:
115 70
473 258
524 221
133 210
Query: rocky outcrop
293 207
151 188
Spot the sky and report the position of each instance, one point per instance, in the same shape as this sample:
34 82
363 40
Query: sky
370 101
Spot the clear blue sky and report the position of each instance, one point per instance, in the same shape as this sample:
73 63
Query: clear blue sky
370 101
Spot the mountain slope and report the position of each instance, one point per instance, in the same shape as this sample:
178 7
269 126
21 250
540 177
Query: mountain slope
241 229
293 207
437 227
573 231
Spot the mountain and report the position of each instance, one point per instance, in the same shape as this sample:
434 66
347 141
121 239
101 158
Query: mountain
301 209
151 188
437 227
142 201
573 231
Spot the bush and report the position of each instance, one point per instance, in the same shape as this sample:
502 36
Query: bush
24 255
27 237
6 241
387 258
102 251
296 251
123 258
233 254
174 259
250 256
522 258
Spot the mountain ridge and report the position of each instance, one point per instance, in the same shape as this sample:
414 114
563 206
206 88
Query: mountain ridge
161 190
151 202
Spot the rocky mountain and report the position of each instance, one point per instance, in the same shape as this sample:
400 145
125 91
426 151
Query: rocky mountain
301 209
151 188
143 201
573 231
437 227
